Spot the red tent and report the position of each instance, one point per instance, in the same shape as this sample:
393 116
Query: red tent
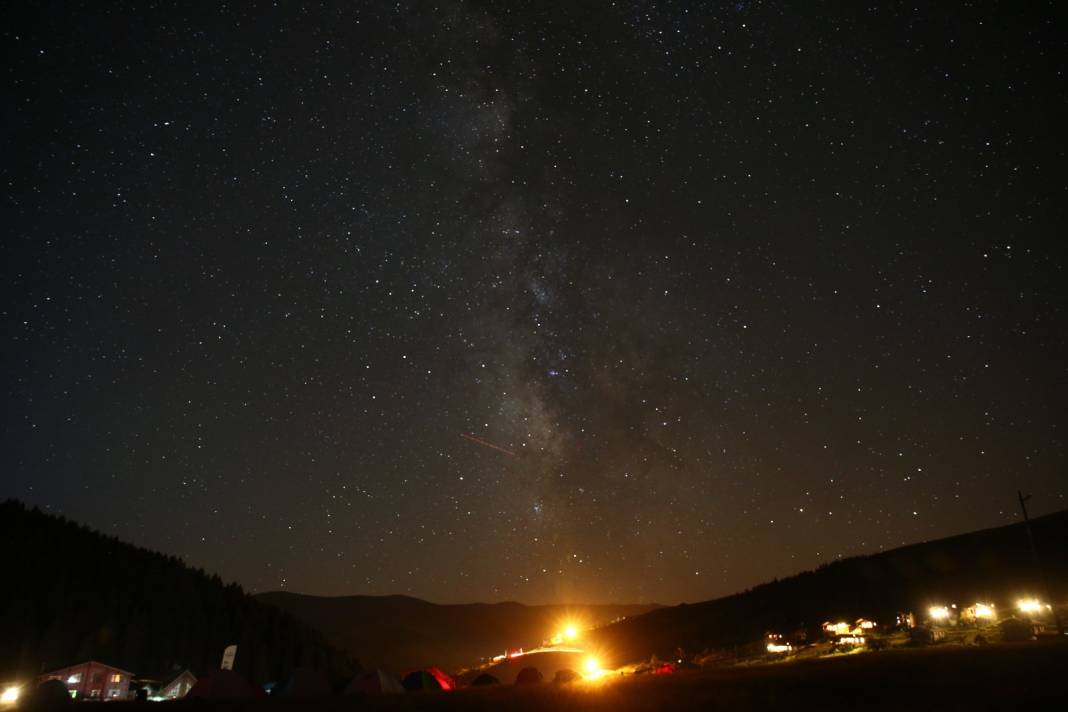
427 679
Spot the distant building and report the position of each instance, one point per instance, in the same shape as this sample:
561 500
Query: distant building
777 645
942 616
835 629
851 641
861 627
92 680
179 686
143 687
979 614
170 685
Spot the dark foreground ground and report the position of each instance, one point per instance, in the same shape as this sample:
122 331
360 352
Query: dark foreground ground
1001 677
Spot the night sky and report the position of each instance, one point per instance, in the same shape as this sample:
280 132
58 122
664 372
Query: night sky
717 292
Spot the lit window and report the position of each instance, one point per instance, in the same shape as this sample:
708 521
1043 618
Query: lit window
116 678
75 678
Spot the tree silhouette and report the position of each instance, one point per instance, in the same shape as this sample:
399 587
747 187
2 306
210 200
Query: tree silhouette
149 614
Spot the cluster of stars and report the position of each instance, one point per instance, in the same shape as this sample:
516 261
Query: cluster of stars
733 288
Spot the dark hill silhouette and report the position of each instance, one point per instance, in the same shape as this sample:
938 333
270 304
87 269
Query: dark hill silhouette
71 594
989 565
151 612
397 632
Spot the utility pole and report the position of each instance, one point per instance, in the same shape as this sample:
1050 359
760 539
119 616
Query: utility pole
1038 563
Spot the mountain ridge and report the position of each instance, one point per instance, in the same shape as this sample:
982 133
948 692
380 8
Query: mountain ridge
982 564
417 599
995 564
397 631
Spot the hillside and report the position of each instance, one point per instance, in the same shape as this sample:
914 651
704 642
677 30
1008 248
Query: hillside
71 594
150 612
395 632
989 565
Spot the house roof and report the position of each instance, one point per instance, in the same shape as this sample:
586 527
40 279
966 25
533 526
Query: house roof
174 678
83 664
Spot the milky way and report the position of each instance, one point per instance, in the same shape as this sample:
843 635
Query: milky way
536 301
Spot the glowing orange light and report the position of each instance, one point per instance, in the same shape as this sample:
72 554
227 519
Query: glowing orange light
839 628
1030 605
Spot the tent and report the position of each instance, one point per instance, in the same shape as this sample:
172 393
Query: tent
485 679
374 682
427 679
418 680
446 682
529 676
303 683
224 685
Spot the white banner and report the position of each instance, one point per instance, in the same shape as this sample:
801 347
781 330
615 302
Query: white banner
228 657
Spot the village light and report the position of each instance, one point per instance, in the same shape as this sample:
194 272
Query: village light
571 632
938 613
10 695
1030 605
839 628
984 610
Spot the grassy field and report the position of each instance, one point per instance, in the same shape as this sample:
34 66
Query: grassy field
998 677
993 677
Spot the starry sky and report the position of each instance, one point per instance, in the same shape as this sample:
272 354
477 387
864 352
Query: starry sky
536 301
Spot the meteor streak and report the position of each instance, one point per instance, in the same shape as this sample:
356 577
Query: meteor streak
479 441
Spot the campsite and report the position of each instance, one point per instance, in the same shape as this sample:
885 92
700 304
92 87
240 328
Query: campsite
955 630
1008 676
